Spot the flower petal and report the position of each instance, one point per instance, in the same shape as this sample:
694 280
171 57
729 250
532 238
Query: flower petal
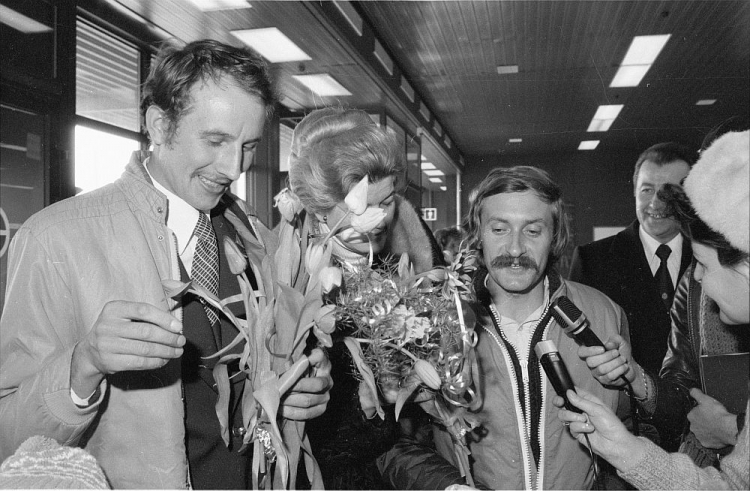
368 220
236 259
356 199
288 204
330 277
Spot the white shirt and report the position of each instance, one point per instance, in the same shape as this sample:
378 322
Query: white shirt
181 220
673 261
519 334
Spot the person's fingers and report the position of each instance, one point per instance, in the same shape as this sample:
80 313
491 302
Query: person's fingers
143 312
313 385
141 348
699 396
585 352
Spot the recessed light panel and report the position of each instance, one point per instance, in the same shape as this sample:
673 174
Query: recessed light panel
515 140
588 145
207 5
322 84
435 179
435 172
428 166
20 22
604 117
507 69
272 44
706 102
638 60
444 188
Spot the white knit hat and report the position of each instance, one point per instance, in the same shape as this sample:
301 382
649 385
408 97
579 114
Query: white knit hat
719 188
42 463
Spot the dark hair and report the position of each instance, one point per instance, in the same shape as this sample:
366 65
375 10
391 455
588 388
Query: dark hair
515 180
663 154
333 149
176 70
444 235
695 229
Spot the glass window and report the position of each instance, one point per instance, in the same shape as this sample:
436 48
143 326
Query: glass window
107 78
100 158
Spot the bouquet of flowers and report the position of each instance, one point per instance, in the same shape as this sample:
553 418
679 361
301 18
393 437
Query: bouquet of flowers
413 338
271 358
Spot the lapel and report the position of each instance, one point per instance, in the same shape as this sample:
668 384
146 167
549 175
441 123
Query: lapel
632 264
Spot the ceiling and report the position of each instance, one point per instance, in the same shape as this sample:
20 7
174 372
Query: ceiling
567 53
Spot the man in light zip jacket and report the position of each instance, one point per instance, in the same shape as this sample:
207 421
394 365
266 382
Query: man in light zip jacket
92 352
517 224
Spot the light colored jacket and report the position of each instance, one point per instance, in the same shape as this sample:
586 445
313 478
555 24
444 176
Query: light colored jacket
65 263
501 453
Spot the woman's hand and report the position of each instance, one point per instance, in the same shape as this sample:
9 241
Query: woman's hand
713 425
606 433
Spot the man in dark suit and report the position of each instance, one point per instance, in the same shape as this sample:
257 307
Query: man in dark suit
628 266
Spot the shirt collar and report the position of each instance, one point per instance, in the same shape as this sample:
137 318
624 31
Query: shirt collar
534 317
650 245
181 217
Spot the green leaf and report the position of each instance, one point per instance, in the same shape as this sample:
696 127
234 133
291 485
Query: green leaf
356 352
221 378
403 395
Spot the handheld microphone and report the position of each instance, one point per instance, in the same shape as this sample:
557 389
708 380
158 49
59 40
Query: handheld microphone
556 371
574 322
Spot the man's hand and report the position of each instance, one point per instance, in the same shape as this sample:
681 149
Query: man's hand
713 425
607 365
308 398
125 336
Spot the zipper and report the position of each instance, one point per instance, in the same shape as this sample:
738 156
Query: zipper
525 429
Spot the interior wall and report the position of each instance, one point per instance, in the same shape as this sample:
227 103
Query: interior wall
597 186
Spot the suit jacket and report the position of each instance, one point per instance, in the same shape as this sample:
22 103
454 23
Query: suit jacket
618 267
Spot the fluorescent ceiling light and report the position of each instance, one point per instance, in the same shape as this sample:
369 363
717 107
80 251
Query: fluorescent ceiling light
588 145
506 69
629 76
272 44
639 58
644 49
435 179
515 140
428 166
436 172
444 188
207 5
705 102
604 117
20 22
322 84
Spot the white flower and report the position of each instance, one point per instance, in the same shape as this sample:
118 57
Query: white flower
356 200
330 277
368 220
288 204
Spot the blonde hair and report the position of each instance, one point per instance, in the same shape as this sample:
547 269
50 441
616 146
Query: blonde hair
333 149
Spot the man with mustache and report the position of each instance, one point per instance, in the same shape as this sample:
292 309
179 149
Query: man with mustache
627 267
517 226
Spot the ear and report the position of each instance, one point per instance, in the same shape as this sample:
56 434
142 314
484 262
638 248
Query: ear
157 125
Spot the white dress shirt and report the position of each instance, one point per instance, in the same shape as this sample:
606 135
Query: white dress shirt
673 261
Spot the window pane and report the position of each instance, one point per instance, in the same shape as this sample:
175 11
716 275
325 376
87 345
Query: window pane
100 157
107 78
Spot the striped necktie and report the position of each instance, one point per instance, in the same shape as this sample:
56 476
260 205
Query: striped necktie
205 270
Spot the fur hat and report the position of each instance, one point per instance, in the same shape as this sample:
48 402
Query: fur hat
719 188
42 463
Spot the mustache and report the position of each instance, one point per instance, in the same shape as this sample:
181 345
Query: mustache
506 261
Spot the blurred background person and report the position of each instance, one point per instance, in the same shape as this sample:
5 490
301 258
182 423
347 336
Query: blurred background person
449 239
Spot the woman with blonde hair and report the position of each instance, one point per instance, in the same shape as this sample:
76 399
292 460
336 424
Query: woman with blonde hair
334 149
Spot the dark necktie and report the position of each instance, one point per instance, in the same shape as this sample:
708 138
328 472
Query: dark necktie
205 270
666 289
